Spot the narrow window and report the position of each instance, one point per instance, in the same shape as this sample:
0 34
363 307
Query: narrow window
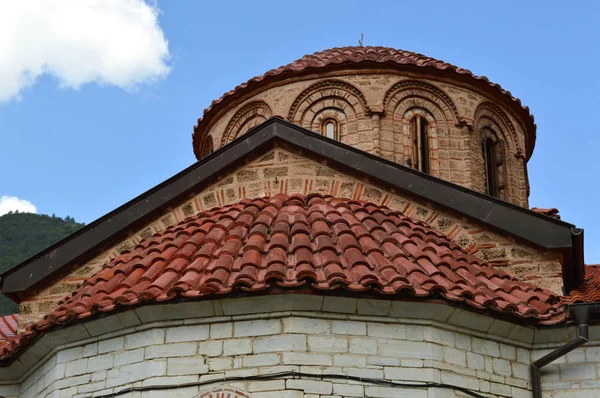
489 157
420 144
330 129
493 162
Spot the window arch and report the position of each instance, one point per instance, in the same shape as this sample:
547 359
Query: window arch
207 146
419 144
330 128
493 162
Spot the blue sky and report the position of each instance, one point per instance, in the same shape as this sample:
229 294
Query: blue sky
82 144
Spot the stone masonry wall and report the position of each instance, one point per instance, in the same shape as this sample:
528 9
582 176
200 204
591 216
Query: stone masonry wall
374 109
320 343
287 172
212 342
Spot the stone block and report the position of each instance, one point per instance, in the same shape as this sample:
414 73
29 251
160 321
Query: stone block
475 361
280 343
485 347
310 386
100 362
186 366
328 344
391 392
454 356
261 360
76 367
237 346
392 331
341 305
110 345
187 333
373 307
266 385
145 338
127 357
346 360
300 358
577 372
69 354
306 325
409 349
360 345
412 374
261 327
502 366
348 390
349 327
136 372
220 364
211 348
221 330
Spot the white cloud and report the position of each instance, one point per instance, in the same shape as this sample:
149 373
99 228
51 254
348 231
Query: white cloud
12 203
113 42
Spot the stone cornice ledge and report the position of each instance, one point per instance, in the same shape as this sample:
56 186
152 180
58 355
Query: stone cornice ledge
440 316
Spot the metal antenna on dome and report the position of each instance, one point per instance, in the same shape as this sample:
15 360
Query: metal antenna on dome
360 41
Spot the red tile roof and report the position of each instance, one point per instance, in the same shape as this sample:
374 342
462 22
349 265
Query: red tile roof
552 212
344 56
319 243
8 326
589 290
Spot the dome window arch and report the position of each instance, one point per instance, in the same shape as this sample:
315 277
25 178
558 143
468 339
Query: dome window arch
207 146
419 135
330 128
493 162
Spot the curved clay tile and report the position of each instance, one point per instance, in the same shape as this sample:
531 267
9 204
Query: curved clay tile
316 242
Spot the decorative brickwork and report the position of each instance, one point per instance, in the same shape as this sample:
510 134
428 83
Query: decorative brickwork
373 110
489 116
224 393
282 171
250 115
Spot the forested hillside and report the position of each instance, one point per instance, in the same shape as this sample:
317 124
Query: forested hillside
24 234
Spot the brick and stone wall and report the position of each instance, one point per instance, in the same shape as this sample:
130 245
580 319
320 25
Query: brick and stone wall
283 171
374 108
213 342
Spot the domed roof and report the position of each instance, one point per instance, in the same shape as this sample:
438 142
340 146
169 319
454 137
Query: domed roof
298 244
341 57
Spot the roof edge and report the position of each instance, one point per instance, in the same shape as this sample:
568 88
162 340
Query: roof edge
539 230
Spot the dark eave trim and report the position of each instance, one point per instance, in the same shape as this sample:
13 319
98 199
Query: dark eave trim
542 231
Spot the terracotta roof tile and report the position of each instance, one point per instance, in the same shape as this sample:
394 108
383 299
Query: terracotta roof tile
8 326
295 241
552 212
348 56
589 290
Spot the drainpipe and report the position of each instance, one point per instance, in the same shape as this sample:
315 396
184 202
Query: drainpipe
581 313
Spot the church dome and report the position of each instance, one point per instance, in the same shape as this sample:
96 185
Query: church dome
361 57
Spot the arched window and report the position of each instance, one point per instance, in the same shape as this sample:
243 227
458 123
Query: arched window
420 143
493 160
489 157
330 128
207 146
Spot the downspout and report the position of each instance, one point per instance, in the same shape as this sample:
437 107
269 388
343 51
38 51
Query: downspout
581 313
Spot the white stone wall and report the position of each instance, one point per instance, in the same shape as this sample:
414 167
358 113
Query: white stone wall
380 349
214 342
576 375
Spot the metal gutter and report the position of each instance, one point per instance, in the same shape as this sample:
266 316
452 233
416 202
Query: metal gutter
581 314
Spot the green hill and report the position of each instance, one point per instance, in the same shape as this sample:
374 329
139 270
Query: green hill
24 234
